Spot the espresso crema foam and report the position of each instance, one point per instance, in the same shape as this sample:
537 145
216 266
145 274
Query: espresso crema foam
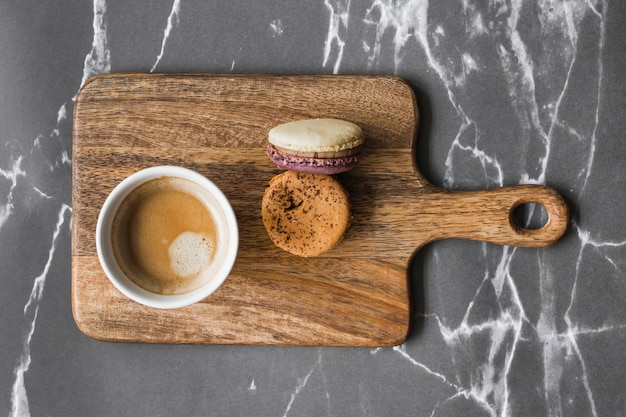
165 237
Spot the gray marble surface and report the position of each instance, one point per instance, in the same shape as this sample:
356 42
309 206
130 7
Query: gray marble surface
510 92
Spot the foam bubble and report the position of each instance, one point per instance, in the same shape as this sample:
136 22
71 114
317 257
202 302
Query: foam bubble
190 253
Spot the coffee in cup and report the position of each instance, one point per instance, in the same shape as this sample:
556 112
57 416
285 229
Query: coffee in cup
167 237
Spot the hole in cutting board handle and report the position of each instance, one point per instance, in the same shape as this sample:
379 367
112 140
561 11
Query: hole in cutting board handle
530 216
493 215
538 215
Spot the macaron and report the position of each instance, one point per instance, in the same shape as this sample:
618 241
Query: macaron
316 146
305 214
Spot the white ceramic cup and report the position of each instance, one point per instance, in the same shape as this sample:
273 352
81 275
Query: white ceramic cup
220 209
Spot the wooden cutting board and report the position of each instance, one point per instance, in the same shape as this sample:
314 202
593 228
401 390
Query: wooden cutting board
356 294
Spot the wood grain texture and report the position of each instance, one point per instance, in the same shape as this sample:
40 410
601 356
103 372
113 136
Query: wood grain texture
354 295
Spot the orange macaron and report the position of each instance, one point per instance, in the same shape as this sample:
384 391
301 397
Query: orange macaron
305 214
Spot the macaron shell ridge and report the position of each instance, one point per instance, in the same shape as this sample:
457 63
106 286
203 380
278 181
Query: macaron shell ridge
328 166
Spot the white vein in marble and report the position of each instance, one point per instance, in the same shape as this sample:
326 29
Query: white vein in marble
304 381
172 20
276 27
11 174
339 14
98 60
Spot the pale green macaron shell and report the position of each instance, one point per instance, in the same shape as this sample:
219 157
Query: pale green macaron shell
316 135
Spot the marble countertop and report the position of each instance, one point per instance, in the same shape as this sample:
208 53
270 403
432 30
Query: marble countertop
509 92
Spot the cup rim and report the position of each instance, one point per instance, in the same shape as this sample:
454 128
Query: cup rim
105 251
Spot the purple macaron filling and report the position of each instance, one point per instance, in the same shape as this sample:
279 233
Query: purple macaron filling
326 166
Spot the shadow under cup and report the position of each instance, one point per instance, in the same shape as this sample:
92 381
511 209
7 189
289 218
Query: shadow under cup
223 218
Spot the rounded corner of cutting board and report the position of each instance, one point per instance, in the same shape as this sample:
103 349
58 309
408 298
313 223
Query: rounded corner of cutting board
91 83
86 325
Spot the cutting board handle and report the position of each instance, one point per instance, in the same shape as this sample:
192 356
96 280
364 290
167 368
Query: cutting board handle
487 215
